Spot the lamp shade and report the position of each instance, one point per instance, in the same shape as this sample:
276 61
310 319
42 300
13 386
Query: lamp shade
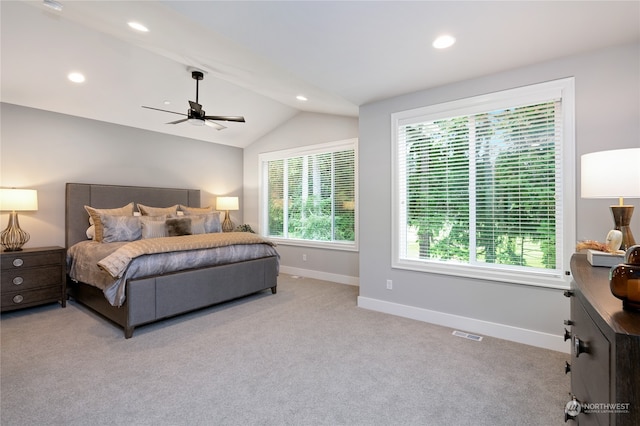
227 203
18 199
611 174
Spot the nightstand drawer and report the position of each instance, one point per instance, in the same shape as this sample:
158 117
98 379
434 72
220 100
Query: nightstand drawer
28 260
18 279
23 299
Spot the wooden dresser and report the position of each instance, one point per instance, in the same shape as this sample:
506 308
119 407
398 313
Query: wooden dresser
33 276
605 351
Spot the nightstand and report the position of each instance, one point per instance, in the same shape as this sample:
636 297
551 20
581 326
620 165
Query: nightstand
32 277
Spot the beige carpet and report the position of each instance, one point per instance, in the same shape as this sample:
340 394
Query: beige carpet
305 356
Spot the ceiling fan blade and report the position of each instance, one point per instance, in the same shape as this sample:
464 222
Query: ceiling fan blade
195 106
178 121
196 115
164 110
214 125
238 119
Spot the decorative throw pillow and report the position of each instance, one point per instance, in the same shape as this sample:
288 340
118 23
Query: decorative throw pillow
157 211
197 225
178 227
94 216
211 222
120 228
152 226
195 210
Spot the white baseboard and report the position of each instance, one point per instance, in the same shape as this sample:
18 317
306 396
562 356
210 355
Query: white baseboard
501 331
319 275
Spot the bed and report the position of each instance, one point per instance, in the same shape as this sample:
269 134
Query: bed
150 298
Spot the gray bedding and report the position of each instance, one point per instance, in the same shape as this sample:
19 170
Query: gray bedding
83 258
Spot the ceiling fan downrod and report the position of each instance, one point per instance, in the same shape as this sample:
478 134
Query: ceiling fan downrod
197 76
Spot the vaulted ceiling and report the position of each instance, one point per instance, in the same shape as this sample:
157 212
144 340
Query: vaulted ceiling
258 56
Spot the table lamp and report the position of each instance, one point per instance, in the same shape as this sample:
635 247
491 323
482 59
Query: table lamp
225 204
613 174
14 200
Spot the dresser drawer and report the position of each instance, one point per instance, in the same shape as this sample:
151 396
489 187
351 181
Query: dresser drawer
20 260
23 299
20 279
590 354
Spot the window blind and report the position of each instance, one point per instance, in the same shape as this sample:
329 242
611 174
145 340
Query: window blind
311 194
483 188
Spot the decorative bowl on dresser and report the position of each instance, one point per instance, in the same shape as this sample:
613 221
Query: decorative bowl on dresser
33 276
605 351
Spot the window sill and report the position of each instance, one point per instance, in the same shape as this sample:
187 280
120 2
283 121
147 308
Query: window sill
551 279
315 244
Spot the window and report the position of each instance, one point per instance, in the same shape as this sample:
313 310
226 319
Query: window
308 195
483 187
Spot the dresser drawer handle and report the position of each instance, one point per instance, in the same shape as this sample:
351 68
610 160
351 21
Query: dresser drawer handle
18 298
18 262
579 346
18 280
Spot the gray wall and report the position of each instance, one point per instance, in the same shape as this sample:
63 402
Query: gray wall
303 129
43 150
607 117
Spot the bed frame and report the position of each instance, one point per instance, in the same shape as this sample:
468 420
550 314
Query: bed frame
153 298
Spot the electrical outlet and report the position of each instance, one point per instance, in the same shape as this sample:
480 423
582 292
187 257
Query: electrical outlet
389 285
304 257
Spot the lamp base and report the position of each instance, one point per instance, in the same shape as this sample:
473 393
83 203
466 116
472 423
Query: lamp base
227 225
622 219
13 238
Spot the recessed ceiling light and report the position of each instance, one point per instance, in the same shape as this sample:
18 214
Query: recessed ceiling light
444 41
167 102
76 77
52 4
138 26
301 98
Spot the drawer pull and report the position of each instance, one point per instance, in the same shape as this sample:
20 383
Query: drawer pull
568 322
579 346
18 298
17 262
567 335
18 280
568 293
567 367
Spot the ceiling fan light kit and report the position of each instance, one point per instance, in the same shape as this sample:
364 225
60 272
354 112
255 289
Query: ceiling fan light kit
196 115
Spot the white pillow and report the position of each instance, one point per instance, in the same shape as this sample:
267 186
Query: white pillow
91 232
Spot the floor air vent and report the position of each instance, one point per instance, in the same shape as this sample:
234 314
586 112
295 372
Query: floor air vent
467 335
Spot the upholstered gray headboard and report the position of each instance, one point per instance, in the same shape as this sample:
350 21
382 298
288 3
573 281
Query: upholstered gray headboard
79 195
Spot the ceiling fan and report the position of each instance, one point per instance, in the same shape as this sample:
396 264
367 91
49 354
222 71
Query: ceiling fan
196 115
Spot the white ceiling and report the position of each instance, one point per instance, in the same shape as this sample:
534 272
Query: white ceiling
258 56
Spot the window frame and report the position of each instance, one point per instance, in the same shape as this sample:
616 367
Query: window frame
542 92
321 148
